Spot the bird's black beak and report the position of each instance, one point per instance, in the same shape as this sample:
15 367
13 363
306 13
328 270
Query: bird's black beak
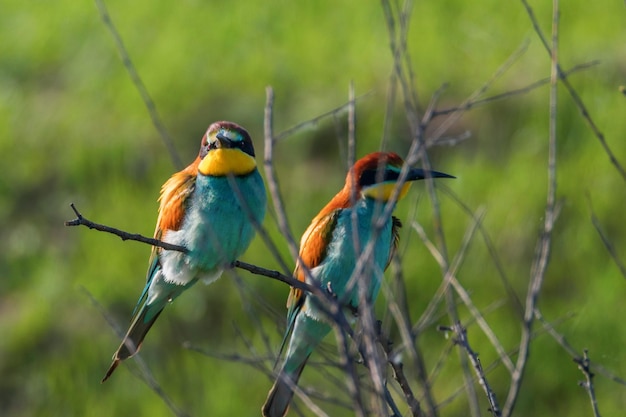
224 141
420 174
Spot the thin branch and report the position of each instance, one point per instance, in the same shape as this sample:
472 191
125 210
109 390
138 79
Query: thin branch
348 366
81 221
511 93
572 92
542 256
307 124
351 125
465 297
270 173
444 291
450 279
401 314
257 270
517 304
144 373
366 317
251 304
259 364
489 368
584 366
397 52
333 309
398 374
141 88
448 141
560 339
254 362
328 304
461 340
605 239
418 148
441 129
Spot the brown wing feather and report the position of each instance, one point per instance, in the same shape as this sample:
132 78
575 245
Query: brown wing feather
172 202
395 238
174 194
313 249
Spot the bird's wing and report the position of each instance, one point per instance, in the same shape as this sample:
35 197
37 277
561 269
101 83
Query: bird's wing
395 238
313 247
174 198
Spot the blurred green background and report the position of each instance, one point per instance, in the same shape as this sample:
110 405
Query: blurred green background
74 129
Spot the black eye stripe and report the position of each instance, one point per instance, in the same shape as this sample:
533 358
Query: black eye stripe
373 176
245 144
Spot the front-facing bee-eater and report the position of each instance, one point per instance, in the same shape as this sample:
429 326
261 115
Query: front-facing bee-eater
211 208
329 253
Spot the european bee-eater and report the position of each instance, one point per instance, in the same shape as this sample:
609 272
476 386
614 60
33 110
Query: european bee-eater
328 252
210 208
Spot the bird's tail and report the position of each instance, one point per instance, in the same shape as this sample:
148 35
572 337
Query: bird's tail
280 395
141 324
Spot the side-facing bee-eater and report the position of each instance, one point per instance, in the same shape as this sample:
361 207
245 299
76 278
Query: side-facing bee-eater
328 253
211 208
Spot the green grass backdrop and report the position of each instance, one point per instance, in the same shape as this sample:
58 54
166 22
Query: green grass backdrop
73 128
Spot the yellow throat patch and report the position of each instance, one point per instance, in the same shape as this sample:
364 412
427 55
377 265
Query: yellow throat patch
384 191
221 162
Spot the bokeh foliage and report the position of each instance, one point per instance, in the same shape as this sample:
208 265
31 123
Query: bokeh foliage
74 129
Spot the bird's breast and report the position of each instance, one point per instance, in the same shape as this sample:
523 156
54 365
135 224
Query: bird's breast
354 242
219 222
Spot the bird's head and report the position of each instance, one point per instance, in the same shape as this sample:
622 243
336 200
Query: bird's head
375 176
226 148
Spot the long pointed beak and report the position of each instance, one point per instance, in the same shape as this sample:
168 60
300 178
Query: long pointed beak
420 174
225 142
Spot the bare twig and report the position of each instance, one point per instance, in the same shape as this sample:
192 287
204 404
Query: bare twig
259 363
81 221
461 340
574 94
401 314
560 339
348 366
333 310
444 291
605 239
465 297
255 362
144 372
327 303
418 149
315 120
351 125
512 93
587 384
451 280
545 329
542 257
141 88
373 364
257 270
398 374
272 178
397 46
480 91
517 304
